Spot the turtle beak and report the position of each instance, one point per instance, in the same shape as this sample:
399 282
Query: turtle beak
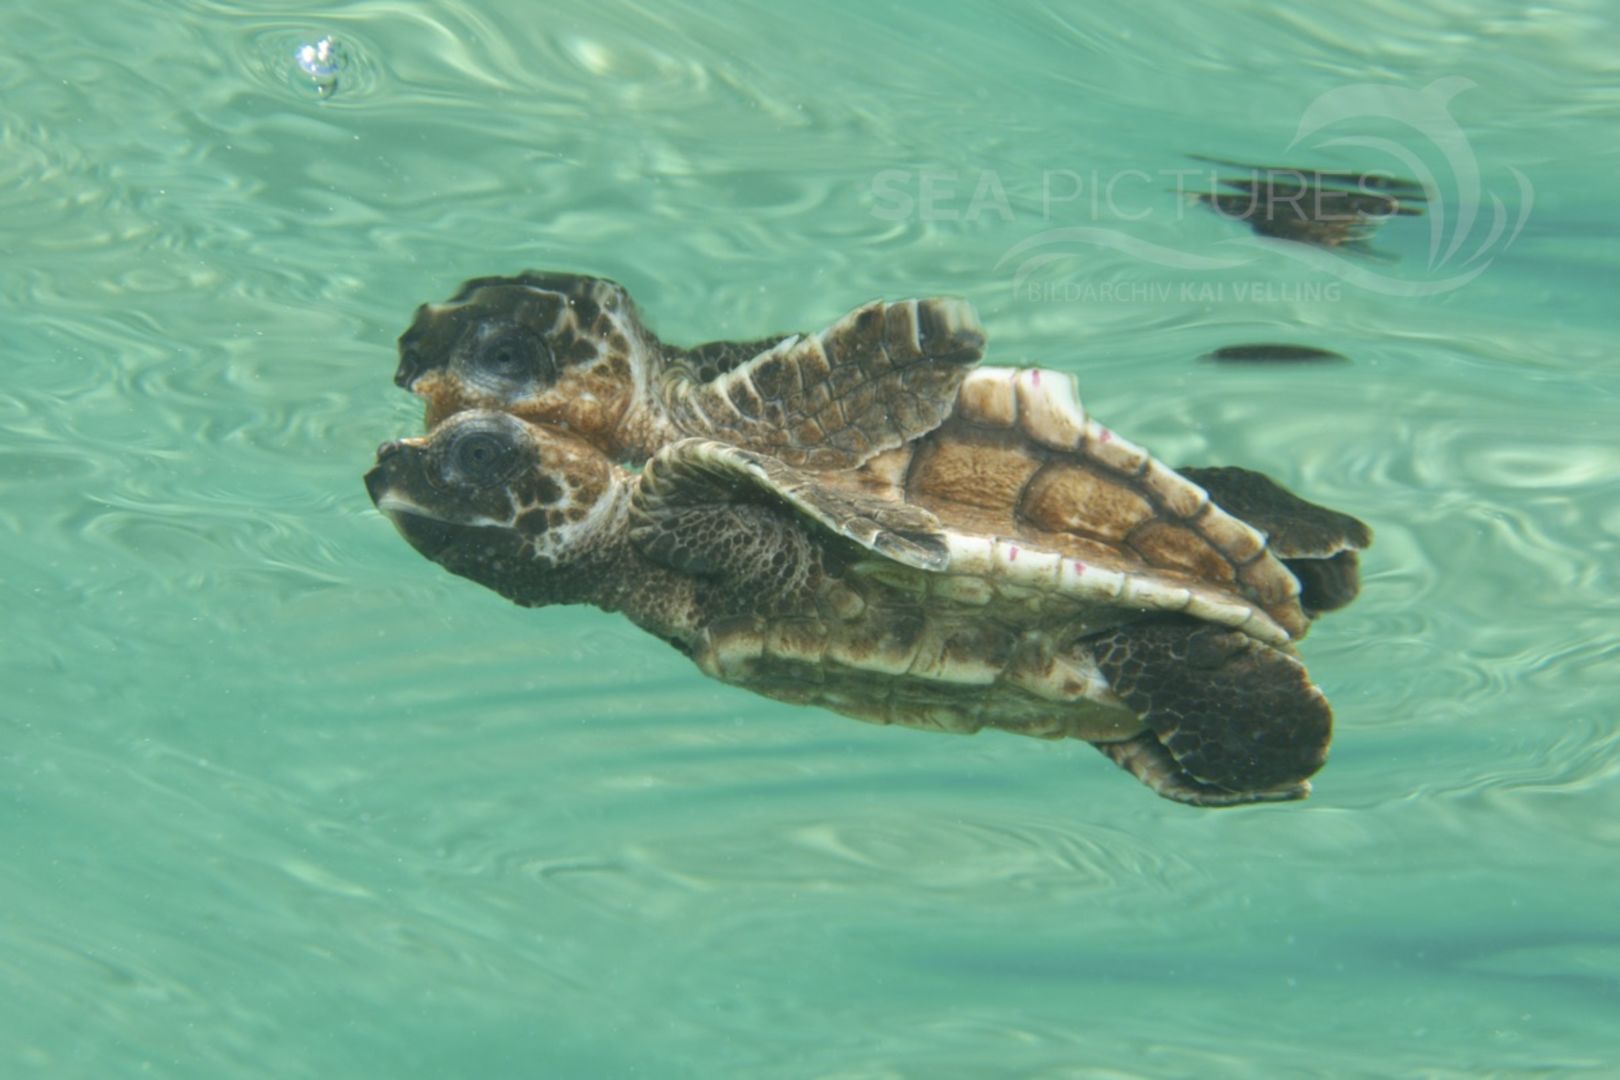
417 372
387 485
411 363
382 479
377 483
407 373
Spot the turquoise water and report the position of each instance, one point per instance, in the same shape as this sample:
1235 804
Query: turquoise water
282 799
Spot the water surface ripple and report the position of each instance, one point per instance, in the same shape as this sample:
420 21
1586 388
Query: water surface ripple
283 799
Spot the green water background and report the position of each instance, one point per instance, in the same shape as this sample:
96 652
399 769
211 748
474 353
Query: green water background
279 798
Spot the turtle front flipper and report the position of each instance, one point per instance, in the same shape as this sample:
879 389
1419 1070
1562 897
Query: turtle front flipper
707 362
875 379
1317 545
694 504
1233 714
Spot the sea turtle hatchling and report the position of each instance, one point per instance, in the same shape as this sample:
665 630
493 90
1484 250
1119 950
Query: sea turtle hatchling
573 350
1044 577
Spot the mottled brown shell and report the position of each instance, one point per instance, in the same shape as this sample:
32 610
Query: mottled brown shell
1035 494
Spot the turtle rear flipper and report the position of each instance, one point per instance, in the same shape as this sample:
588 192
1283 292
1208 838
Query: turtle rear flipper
1317 545
878 377
1145 758
1232 712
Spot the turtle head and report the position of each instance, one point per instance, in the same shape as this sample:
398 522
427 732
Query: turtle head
520 508
548 347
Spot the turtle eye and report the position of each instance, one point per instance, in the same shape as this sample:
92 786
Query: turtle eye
482 457
514 355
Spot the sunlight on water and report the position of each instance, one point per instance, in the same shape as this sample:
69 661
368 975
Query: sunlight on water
286 800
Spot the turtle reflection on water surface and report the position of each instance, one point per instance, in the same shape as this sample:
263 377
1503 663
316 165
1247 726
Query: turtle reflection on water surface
573 350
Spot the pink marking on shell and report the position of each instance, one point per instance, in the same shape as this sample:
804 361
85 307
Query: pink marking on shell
1079 567
1035 377
1012 553
1104 435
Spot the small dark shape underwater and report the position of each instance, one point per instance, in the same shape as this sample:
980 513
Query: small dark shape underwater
1309 206
1273 353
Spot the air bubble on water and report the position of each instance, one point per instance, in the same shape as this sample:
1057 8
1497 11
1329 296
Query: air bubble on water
322 63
